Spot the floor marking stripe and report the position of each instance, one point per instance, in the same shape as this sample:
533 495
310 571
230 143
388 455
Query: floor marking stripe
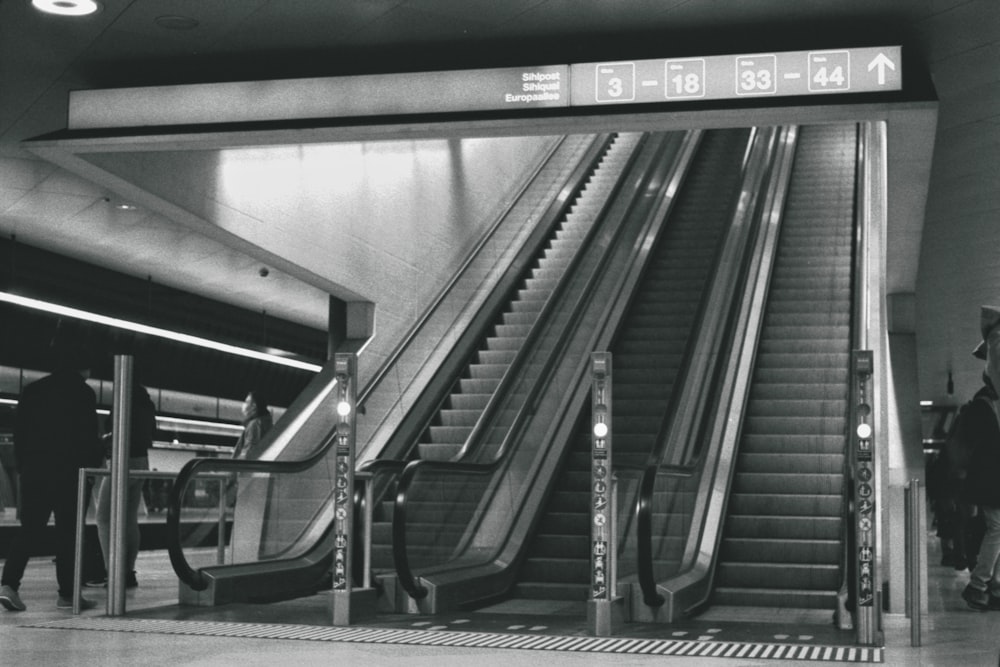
854 654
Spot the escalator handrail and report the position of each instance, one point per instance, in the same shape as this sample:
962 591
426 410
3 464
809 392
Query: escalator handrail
404 572
644 525
869 161
400 554
196 578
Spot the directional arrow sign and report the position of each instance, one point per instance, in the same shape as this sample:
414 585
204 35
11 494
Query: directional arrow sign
881 62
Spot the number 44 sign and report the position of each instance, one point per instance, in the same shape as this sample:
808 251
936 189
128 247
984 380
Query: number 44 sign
829 71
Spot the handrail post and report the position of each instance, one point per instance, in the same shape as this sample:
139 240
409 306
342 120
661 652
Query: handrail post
220 549
369 482
81 512
914 569
604 608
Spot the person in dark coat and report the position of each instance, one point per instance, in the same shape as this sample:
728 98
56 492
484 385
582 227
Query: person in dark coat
979 435
56 432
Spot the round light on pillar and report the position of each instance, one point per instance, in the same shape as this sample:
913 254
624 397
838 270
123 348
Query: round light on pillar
864 431
601 430
343 408
66 7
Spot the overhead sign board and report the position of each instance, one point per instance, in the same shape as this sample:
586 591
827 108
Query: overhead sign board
782 74
743 76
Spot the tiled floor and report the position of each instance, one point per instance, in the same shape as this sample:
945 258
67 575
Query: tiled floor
157 632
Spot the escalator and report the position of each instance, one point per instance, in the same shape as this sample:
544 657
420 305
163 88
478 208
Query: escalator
453 425
448 430
782 536
648 354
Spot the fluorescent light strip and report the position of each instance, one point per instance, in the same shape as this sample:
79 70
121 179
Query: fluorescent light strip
66 311
169 423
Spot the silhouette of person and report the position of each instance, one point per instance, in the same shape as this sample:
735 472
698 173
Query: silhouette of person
55 434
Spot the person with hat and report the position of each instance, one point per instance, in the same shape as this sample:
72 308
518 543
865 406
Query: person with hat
979 460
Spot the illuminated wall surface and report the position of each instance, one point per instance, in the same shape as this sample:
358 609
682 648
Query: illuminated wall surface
783 74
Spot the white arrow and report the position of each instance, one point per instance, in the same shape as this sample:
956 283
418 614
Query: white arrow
881 61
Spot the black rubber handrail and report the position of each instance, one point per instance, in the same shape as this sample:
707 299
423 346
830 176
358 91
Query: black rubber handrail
196 578
644 526
400 554
404 571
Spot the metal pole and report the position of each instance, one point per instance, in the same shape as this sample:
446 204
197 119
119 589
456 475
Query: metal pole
81 512
220 551
369 502
915 541
120 432
613 539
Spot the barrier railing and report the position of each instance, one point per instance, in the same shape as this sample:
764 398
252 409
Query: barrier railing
83 504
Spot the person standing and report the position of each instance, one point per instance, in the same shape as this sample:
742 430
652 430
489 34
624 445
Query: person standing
978 460
56 433
257 421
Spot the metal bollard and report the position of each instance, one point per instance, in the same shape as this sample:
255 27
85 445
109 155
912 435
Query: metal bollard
913 561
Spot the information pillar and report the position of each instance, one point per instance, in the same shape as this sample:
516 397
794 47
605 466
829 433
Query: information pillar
605 608
349 604
865 498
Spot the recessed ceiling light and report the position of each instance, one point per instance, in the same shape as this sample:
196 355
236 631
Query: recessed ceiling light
67 7
171 22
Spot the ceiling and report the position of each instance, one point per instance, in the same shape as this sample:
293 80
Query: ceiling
160 42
